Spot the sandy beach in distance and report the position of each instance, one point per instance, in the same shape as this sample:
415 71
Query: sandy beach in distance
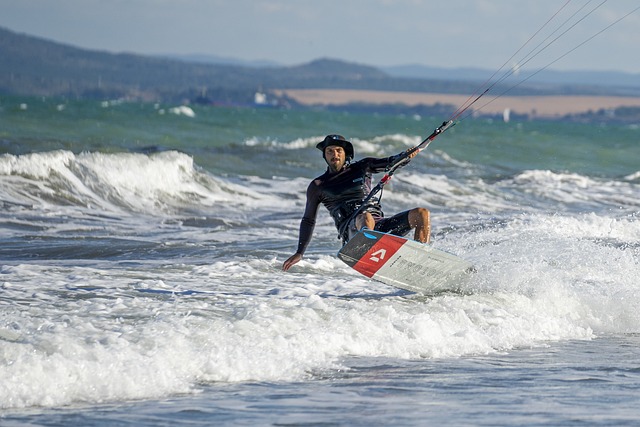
535 106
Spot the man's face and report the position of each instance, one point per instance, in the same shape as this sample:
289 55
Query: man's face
335 157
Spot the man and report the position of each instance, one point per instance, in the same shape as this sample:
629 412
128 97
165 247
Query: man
343 188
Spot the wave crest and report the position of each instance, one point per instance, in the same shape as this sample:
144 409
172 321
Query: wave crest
113 181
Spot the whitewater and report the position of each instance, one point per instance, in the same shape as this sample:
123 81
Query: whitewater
141 282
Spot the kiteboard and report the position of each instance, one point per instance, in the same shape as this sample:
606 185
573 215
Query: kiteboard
404 263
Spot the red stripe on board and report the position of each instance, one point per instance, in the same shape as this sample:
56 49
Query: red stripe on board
379 254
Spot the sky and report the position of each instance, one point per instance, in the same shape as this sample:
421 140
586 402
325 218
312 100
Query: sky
446 33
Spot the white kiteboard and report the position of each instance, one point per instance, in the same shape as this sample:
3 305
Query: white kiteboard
404 263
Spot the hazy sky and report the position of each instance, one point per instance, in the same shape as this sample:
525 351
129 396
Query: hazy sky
444 33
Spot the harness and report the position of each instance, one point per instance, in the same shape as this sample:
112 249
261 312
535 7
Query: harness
343 215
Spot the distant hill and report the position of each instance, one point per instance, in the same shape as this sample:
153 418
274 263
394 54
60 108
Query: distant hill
618 82
221 60
35 66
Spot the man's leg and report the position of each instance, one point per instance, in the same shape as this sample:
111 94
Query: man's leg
419 218
365 219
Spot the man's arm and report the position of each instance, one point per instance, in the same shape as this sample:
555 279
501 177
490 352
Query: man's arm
307 225
385 163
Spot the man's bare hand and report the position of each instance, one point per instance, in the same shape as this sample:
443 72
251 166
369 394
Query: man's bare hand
292 260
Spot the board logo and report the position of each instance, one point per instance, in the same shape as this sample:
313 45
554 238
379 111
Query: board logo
378 255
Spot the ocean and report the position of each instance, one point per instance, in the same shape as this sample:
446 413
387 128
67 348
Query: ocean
141 248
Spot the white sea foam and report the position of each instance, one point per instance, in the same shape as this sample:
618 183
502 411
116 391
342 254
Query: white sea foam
633 177
96 335
182 110
138 182
377 146
218 308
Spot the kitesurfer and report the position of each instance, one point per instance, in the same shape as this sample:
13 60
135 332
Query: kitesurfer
342 189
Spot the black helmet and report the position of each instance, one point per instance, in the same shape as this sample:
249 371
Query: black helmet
340 142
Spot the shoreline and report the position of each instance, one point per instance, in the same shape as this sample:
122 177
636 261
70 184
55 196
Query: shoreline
552 106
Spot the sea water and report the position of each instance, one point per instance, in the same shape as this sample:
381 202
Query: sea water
141 283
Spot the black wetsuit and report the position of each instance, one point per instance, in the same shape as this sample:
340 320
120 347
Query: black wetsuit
342 193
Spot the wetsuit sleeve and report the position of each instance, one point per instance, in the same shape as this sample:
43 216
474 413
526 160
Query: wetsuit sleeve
401 158
308 222
380 165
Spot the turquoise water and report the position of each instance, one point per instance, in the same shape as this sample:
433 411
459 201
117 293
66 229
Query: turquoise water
140 280
590 149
